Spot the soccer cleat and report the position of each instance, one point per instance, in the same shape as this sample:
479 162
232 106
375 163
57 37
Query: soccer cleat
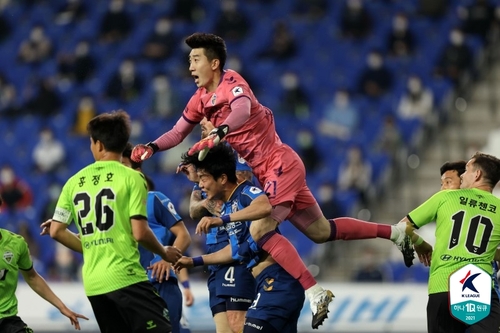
403 242
319 306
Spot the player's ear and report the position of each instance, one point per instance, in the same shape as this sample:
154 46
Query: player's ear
100 146
215 64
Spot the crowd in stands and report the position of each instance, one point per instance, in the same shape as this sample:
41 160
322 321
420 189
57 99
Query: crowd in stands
353 85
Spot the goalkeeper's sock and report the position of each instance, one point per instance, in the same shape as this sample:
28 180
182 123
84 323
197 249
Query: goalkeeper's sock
285 254
348 228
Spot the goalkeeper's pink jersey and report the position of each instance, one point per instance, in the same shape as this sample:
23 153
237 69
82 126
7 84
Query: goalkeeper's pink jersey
256 140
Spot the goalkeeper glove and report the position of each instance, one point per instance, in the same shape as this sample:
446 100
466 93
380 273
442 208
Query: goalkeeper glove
204 145
143 152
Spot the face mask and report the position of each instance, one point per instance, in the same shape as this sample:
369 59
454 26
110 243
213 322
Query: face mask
289 81
400 24
6 176
341 99
456 38
374 61
414 86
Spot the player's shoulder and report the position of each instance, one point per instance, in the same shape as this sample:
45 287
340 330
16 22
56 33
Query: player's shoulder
234 83
11 237
250 189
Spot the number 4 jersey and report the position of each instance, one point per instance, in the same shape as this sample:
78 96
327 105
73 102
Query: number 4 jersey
467 231
102 198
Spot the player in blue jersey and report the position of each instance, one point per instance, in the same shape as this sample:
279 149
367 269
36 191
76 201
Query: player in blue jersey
230 286
169 228
279 297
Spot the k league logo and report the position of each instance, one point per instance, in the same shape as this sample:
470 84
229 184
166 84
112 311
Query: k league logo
470 294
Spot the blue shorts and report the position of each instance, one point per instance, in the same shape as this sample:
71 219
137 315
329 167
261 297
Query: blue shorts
231 287
171 293
278 302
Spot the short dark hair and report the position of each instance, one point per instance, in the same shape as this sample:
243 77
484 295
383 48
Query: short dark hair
127 152
220 160
215 47
112 129
489 165
458 166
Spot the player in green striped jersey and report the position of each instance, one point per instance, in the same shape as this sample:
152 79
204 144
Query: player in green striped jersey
15 258
467 231
107 201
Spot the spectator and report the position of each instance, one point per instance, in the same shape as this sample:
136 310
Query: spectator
37 48
189 11
282 44
49 206
71 11
5 29
164 102
417 103
356 22
84 113
78 66
456 58
65 264
355 173
340 118
9 105
307 150
327 200
370 270
49 153
234 62
46 102
310 10
125 84
401 41
294 99
376 79
477 18
162 42
116 23
432 8
389 141
15 192
232 24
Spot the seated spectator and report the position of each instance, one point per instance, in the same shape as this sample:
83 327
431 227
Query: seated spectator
282 44
355 173
370 269
46 102
116 23
432 8
189 11
307 150
417 102
311 10
294 99
389 141
477 18
340 118
231 24
78 66
71 11
15 192
10 107
126 84
401 41
52 195
327 200
162 42
85 112
356 22
376 79
49 153
5 28
37 48
164 103
456 59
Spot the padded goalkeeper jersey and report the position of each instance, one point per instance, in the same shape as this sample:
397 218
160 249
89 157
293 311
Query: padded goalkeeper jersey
101 199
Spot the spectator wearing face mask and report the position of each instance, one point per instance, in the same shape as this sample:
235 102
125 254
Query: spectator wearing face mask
15 192
356 22
162 42
78 66
49 153
126 84
376 79
116 23
400 40
294 100
340 118
37 48
456 58
164 101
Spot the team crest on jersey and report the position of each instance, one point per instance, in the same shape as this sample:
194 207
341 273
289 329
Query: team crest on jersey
237 91
214 99
234 206
8 256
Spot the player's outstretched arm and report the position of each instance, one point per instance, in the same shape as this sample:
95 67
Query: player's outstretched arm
59 231
145 236
182 236
221 257
259 208
40 286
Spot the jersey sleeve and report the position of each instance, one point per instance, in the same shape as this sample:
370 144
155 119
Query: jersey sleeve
235 87
193 113
249 194
138 195
64 207
25 263
164 210
426 212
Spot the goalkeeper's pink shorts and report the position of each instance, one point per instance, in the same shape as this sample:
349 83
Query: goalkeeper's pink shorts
284 182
